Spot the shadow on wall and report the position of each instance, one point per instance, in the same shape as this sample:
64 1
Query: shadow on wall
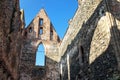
5 72
105 66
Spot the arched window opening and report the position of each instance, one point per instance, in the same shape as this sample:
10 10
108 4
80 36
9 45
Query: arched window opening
51 34
30 30
40 56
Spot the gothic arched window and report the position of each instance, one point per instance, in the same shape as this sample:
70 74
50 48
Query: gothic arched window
40 56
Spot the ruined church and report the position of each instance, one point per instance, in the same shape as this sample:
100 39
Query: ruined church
90 49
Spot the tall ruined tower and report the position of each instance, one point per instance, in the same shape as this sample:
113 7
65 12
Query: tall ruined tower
39 32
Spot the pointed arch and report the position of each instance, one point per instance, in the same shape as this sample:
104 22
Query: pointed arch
40 55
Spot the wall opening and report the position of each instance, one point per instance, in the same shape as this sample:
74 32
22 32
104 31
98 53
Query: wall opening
40 22
41 26
30 30
82 54
40 56
25 34
41 30
51 34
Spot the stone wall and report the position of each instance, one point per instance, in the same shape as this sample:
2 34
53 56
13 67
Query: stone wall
10 43
90 49
83 13
90 42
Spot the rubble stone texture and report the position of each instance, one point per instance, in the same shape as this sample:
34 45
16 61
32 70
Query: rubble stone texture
10 36
92 42
90 49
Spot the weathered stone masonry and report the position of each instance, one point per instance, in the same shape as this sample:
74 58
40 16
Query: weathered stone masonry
90 49
93 49
9 45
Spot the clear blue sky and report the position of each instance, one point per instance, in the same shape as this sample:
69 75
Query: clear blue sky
59 12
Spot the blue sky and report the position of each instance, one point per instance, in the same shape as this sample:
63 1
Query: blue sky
59 12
